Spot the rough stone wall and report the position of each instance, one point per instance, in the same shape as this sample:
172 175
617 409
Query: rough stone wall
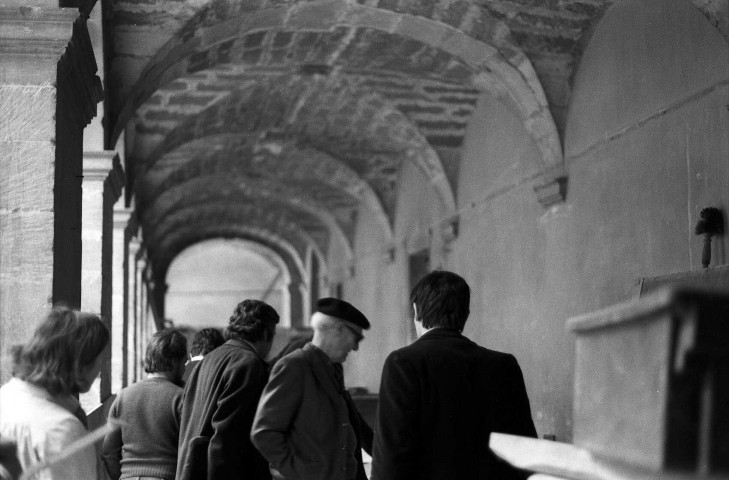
28 98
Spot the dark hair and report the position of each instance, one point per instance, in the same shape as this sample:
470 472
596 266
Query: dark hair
165 350
252 320
442 299
64 343
205 341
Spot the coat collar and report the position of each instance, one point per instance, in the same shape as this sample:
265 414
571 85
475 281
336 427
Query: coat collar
441 333
323 370
244 344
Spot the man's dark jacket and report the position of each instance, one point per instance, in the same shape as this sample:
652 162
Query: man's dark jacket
440 398
219 404
307 425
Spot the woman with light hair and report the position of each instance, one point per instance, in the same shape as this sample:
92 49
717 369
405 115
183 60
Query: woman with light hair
39 410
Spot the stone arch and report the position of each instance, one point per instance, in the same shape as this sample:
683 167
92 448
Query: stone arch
240 157
279 246
499 65
203 191
210 217
235 113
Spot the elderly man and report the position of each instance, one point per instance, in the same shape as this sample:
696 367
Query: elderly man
442 396
306 425
221 397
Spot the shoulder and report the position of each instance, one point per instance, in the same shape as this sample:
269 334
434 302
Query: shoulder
21 402
233 356
294 361
403 357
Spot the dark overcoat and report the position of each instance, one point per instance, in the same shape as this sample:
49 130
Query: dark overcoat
306 424
440 398
219 403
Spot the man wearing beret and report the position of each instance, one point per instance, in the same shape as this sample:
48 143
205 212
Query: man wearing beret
306 425
442 396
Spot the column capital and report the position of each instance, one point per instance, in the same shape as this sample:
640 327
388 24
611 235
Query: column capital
135 245
105 166
121 217
32 40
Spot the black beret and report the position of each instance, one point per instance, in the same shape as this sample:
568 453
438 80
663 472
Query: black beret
343 311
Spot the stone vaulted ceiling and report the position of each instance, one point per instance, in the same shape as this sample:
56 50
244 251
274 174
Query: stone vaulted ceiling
278 120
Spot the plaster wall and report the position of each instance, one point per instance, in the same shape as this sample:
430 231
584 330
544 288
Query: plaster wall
642 170
511 252
646 144
376 290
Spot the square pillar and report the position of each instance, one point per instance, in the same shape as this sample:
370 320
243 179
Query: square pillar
48 93
139 311
119 326
102 185
132 347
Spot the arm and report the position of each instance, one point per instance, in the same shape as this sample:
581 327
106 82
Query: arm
111 450
236 406
518 412
395 455
367 436
82 464
276 412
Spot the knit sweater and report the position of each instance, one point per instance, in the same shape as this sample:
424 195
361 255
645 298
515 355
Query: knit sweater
146 444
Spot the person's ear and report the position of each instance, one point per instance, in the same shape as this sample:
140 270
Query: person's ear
415 312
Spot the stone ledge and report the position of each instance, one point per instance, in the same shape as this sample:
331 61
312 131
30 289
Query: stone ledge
32 39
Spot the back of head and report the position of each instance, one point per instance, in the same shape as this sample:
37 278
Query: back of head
65 342
165 350
205 341
252 320
442 300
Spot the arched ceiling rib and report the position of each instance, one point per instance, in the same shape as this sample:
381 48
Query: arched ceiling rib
315 115
296 173
218 217
268 196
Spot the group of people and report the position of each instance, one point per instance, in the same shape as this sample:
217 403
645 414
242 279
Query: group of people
239 417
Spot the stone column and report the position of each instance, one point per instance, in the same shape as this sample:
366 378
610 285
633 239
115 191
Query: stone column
102 184
139 310
299 317
131 348
118 298
48 93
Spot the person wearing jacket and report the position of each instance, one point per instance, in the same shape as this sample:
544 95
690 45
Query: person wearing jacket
306 424
220 400
442 396
39 409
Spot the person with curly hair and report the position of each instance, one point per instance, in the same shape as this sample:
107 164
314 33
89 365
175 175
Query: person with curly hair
148 414
220 400
39 409
204 342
